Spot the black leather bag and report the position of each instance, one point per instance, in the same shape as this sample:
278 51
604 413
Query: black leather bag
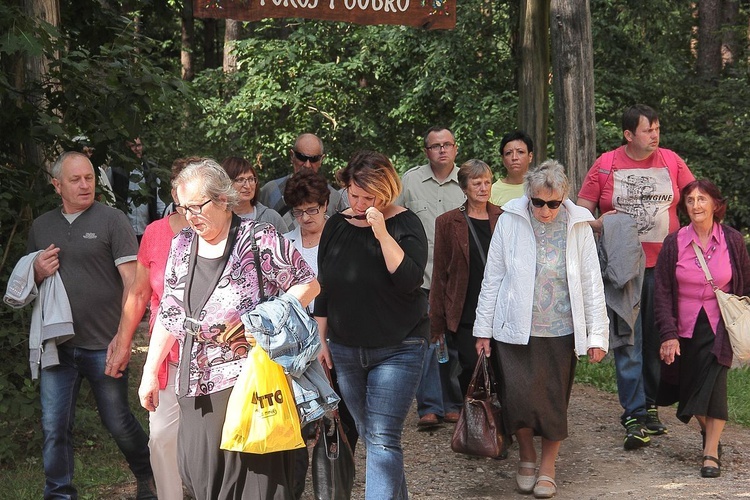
478 430
332 460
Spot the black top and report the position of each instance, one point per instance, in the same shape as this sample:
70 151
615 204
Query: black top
476 269
367 306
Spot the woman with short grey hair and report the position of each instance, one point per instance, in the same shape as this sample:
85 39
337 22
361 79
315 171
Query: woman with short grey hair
214 181
543 239
210 281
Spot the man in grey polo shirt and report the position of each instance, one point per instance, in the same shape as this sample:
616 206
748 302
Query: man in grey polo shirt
94 248
429 191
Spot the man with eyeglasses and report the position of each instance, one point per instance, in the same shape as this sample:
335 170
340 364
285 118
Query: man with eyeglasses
642 180
306 153
429 191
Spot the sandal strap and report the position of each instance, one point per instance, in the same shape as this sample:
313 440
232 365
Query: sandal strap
546 478
526 465
713 459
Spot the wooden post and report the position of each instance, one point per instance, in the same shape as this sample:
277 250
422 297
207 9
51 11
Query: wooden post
573 84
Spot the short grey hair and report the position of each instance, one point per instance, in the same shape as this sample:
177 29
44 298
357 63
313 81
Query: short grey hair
214 181
472 169
56 169
549 175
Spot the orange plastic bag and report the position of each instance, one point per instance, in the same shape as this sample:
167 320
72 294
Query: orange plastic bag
261 413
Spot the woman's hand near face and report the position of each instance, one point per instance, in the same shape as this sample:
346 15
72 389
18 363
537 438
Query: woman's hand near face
375 219
392 252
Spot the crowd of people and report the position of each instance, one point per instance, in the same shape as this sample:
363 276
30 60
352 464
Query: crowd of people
392 268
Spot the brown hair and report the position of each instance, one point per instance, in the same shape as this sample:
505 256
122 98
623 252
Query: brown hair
306 186
709 188
374 173
236 166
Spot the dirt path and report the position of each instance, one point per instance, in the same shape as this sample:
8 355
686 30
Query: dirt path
592 462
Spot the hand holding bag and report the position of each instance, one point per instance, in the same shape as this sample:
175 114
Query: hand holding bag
332 462
261 412
479 430
735 310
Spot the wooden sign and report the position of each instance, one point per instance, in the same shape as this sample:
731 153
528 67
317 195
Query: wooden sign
428 14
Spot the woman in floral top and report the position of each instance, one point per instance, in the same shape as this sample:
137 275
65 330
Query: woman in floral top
210 281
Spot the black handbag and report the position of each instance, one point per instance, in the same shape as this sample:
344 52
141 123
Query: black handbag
332 461
479 428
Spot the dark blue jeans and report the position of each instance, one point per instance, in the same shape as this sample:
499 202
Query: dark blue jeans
59 390
378 385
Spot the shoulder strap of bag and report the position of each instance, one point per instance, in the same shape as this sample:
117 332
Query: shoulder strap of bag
704 266
607 160
256 258
473 231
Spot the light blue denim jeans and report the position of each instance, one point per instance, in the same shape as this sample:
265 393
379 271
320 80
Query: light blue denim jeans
378 385
59 387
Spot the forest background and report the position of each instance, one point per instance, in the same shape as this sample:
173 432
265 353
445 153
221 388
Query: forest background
117 69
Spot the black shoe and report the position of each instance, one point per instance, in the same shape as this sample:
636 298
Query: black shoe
636 435
709 471
652 423
146 489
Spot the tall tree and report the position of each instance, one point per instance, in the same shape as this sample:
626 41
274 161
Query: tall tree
37 67
708 63
187 41
533 75
231 35
573 83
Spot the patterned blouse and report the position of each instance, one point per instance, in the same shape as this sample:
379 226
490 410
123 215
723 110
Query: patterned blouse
221 346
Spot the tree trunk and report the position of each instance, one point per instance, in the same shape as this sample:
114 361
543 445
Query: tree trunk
573 84
708 63
533 75
231 35
730 48
210 57
37 68
186 48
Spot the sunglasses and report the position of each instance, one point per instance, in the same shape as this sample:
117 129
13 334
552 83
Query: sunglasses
304 158
355 216
552 204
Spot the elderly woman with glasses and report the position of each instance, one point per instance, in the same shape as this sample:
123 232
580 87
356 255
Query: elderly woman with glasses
542 300
373 313
245 182
210 281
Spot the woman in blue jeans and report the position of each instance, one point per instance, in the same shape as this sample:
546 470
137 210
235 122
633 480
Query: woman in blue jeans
373 314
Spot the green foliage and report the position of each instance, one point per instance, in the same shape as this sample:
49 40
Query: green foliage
106 93
376 87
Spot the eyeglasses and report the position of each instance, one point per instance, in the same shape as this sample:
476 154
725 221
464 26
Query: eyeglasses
439 147
552 204
240 181
193 209
304 158
355 216
310 211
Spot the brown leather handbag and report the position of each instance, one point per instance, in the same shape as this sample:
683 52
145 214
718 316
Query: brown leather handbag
479 428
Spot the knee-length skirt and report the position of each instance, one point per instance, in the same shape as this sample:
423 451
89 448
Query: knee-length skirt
536 382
